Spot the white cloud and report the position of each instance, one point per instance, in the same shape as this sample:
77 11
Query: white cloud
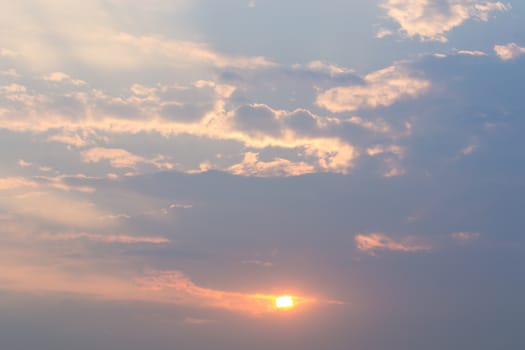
509 51
433 19
471 53
382 88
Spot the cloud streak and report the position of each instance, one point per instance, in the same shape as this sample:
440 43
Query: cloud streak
124 239
120 158
465 236
373 242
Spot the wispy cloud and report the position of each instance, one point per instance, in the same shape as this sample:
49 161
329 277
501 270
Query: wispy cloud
465 236
111 238
56 208
120 158
260 263
9 183
197 321
178 51
471 53
373 242
175 286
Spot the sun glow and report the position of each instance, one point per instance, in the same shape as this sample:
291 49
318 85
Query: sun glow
284 302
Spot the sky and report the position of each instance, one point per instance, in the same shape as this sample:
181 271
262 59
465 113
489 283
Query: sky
168 168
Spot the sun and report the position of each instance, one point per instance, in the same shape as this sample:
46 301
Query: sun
284 302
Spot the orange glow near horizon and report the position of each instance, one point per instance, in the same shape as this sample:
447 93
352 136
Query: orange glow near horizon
284 302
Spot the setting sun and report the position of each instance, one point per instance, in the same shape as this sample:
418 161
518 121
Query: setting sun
284 302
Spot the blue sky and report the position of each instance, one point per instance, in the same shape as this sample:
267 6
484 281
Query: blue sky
169 168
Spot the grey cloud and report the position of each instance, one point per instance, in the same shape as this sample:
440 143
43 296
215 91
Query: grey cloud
257 119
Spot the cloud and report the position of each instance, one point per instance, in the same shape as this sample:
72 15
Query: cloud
70 139
54 208
175 286
509 51
252 166
468 150
381 88
9 183
431 20
372 242
471 53
120 158
164 287
125 239
61 77
260 263
197 321
109 44
465 236
185 52
79 117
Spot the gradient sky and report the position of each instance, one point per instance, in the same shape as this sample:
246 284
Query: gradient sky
168 167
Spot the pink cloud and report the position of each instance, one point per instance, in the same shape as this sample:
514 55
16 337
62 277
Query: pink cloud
370 243
465 236
126 239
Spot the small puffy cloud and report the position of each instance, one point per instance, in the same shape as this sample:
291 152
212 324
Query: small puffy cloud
465 236
381 88
61 77
468 150
431 20
509 51
372 242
